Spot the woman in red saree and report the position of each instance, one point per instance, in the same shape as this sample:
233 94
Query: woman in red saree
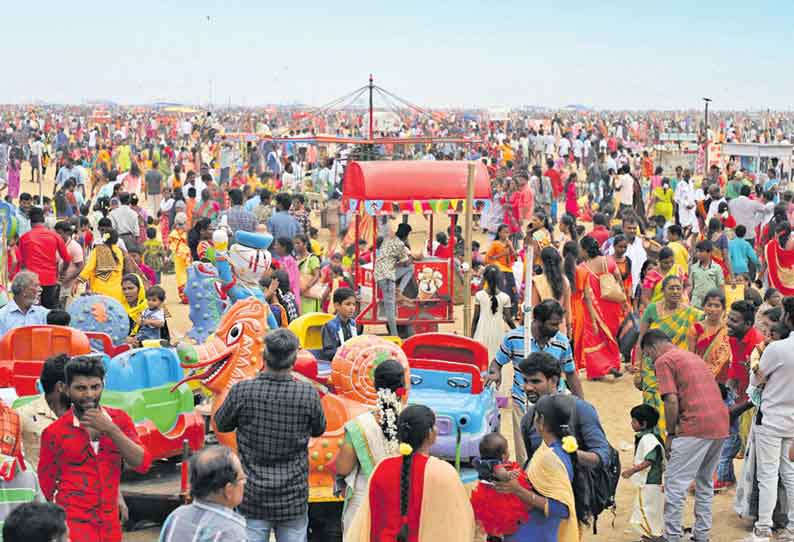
779 259
708 338
414 497
596 344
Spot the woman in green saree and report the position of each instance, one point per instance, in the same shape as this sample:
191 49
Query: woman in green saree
675 318
371 437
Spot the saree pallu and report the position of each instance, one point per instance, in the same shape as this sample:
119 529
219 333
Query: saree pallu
780 267
714 349
598 347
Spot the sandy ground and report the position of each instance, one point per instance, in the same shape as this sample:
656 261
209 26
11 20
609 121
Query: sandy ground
613 400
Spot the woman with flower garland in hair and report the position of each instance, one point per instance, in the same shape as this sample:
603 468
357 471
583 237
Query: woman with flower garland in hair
414 497
552 510
371 436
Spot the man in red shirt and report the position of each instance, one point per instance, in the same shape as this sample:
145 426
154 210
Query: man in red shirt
37 249
697 425
556 187
600 231
82 454
743 338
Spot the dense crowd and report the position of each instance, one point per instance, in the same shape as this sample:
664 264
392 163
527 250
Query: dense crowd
664 274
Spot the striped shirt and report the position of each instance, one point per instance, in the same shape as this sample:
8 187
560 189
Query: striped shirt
512 351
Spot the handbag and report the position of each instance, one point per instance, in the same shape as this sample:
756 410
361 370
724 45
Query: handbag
611 290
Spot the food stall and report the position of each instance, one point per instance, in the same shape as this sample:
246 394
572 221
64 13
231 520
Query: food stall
381 188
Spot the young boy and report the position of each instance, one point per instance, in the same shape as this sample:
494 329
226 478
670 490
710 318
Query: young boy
647 518
342 328
152 318
705 275
742 252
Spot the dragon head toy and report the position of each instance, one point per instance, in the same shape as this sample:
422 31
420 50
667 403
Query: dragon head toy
231 354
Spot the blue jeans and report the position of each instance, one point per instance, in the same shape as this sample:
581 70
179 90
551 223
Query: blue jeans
730 448
286 531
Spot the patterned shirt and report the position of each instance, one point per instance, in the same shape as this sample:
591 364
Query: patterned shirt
240 220
203 521
84 480
274 416
705 279
302 217
701 411
392 252
512 351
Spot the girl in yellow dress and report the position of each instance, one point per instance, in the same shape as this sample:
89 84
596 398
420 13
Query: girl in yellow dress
177 244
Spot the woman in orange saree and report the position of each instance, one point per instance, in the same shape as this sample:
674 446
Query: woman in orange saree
708 338
597 341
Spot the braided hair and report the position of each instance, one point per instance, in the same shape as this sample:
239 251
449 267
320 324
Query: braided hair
491 276
389 378
414 426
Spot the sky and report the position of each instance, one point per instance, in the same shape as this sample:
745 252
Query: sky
603 54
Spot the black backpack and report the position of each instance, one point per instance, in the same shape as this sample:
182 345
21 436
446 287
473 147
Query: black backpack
594 487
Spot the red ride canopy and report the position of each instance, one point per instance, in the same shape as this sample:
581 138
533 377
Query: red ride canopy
417 180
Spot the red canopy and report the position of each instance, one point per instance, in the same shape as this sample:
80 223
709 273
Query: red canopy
413 180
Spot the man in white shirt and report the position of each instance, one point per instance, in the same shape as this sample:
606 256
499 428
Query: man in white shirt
636 251
746 212
549 142
36 152
624 186
714 205
564 148
125 221
685 198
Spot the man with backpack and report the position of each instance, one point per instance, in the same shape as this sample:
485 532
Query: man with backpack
597 466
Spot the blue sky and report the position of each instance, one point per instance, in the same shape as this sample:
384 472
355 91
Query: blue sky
607 54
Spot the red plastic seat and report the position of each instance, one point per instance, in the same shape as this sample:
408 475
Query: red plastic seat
23 351
447 347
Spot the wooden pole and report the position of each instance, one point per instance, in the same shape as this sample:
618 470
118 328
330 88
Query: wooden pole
467 252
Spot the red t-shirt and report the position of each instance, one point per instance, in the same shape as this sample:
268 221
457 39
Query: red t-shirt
701 411
38 248
741 349
600 234
556 181
384 498
443 252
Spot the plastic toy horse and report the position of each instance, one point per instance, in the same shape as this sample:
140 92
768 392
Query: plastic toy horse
232 354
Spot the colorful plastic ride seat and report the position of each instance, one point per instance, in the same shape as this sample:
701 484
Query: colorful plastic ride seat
139 382
308 329
24 349
465 410
447 347
353 368
324 449
102 314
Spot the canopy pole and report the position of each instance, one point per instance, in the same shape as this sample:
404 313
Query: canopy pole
467 331
529 262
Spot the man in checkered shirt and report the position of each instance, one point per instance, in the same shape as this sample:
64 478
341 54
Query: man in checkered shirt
237 217
274 416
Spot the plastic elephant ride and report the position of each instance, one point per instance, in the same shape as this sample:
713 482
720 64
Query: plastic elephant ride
447 375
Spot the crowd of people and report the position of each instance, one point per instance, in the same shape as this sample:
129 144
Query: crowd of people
666 275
